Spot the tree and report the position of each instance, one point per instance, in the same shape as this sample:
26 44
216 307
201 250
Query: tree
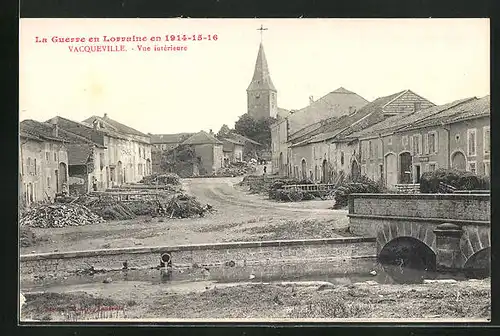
224 131
257 130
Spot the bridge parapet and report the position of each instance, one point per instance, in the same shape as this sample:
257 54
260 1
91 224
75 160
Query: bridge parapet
417 216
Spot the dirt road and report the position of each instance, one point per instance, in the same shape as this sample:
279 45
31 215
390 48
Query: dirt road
239 217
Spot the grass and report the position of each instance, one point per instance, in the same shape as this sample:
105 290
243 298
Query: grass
308 228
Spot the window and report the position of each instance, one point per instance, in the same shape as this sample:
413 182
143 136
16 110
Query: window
370 149
471 142
417 144
342 158
432 142
48 182
381 149
55 157
389 141
47 156
404 141
34 165
486 139
417 106
472 167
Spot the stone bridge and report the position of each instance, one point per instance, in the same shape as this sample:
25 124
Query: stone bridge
445 231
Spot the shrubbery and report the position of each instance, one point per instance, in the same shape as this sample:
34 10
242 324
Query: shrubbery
430 182
362 185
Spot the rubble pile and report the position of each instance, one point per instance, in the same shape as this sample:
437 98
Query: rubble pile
169 178
107 207
59 215
237 169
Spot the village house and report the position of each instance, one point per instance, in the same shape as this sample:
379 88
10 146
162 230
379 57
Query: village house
208 152
251 148
233 150
43 166
88 163
401 148
128 155
307 122
329 152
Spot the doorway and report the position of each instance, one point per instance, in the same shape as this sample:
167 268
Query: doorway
391 168
405 164
324 169
458 161
417 174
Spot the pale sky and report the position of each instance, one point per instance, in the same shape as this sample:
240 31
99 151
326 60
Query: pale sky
205 86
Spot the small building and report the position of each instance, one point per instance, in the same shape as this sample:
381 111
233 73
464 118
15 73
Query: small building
208 150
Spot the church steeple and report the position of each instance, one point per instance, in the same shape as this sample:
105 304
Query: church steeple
261 78
261 93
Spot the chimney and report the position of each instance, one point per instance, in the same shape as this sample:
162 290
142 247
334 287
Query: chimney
311 100
105 115
96 124
211 133
55 127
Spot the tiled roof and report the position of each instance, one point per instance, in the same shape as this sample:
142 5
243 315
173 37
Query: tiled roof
345 125
45 131
78 154
169 138
82 129
261 78
119 127
236 142
472 108
332 105
406 119
24 134
202 138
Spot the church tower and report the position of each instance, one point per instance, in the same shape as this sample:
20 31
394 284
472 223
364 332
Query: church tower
261 93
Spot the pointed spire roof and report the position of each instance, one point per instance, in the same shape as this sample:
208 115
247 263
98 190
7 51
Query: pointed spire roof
261 79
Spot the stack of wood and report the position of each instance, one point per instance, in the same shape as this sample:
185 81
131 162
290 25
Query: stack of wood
107 207
59 215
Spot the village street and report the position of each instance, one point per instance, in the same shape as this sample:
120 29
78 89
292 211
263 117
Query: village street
239 216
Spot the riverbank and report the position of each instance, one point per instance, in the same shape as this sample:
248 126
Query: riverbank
208 300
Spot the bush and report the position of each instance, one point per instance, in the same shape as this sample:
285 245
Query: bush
363 185
461 180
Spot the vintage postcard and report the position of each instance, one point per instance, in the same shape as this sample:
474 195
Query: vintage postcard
254 170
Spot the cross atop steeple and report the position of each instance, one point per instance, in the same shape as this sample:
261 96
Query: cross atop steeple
261 31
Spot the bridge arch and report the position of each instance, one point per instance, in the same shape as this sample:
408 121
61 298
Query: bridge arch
409 252
478 264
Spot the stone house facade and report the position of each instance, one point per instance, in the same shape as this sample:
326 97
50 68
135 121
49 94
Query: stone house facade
455 135
307 122
333 150
128 154
43 162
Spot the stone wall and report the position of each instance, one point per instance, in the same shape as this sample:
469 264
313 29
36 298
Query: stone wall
459 207
242 254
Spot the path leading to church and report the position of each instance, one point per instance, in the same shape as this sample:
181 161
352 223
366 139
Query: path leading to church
239 217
